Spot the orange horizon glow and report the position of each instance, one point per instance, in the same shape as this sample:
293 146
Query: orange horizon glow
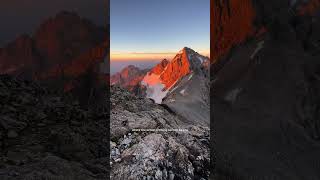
147 56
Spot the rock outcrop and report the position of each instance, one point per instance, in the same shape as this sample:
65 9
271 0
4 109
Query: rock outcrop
144 144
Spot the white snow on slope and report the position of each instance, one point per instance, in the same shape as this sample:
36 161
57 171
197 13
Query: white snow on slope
202 59
183 91
259 47
155 88
189 57
156 93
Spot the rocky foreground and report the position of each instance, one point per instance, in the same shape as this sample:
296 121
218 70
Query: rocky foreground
46 136
154 154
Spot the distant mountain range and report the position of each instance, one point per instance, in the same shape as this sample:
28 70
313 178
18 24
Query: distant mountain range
180 83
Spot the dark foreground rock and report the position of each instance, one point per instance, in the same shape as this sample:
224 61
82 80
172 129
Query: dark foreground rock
47 136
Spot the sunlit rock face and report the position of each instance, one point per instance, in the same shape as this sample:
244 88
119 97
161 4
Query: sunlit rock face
162 78
231 24
167 74
158 69
128 78
177 68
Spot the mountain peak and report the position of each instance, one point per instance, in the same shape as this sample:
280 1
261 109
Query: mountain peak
131 67
159 68
166 74
186 50
164 61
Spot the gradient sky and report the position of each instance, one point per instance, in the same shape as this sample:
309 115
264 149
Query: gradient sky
24 16
157 29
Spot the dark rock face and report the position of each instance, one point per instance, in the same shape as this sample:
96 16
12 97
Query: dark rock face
47 136
65 36
154 154
265 99
20 54
63 53
62 49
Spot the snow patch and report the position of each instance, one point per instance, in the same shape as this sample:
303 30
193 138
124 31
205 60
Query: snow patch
259 47
156 93
201 59
189 56
155 87
183 92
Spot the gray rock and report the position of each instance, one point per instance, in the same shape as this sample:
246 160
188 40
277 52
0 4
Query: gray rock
12 134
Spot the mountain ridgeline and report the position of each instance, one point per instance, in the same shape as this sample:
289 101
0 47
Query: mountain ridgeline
182 84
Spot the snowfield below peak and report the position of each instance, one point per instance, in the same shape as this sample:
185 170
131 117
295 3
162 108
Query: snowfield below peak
155 87
156 92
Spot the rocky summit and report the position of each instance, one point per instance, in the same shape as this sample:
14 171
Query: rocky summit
144 146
